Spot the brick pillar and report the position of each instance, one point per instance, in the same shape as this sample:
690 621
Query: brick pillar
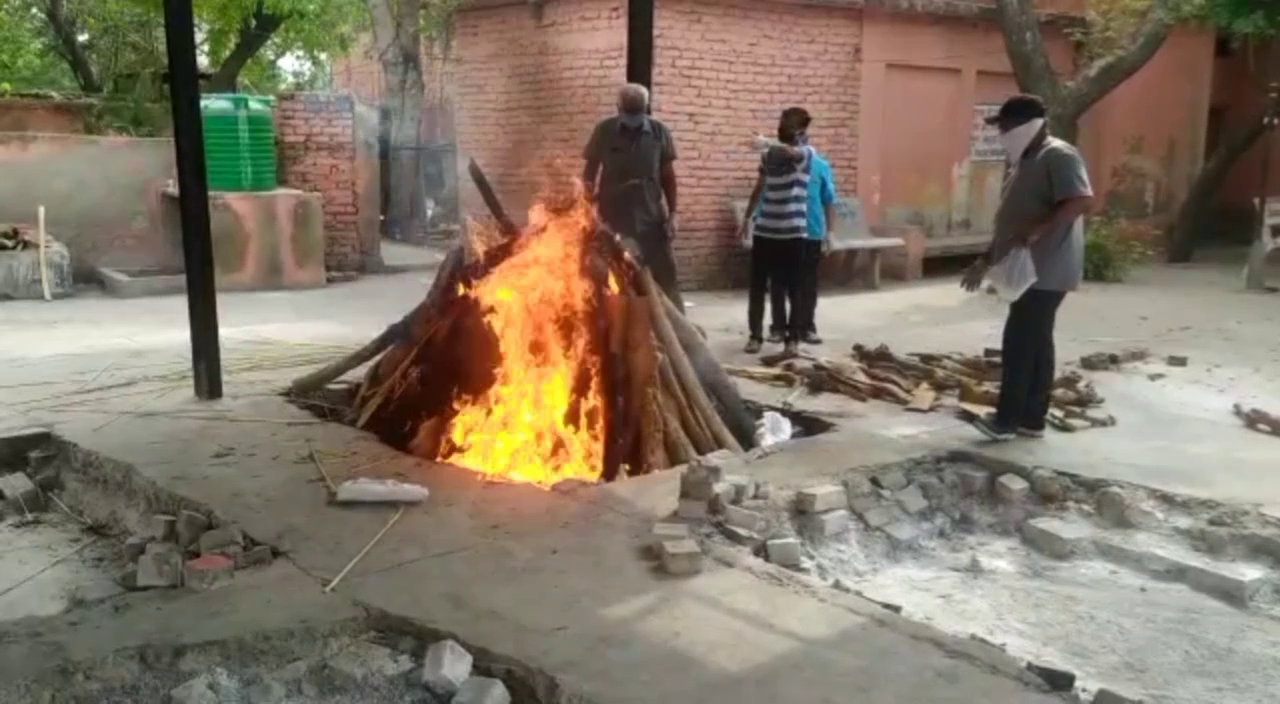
318 153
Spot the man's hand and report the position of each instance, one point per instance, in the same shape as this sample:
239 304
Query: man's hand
972 279
672 227
826 243
744 231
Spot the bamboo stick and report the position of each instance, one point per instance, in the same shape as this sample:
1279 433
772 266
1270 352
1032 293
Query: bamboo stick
682 367
44 257
359 556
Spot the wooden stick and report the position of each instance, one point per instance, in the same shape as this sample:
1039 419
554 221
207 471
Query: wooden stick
44 261
490 198
718 385
328 481
679 449
683 369
367 548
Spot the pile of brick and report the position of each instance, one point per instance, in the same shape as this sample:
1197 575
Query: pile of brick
188 550
359 671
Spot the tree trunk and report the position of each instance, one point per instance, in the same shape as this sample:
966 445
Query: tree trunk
66 35
397 35
255 32
1194 211
1068 101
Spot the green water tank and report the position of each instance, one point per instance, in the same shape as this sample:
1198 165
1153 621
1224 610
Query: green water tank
239 142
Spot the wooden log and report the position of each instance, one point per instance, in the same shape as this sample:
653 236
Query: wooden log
652 450
715 381
683 369
642 368
679 449
697 432
505 223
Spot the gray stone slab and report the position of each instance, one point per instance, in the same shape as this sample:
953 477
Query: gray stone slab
1012 489
482 690
785 552
821 498
892 480
445 666
1057 538
911 500
744 518
681 557
826 525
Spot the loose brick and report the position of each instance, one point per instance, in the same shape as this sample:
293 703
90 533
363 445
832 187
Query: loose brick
663 532
363 662
190 527
160 566
134 546
1055 537
873 512
1010 488
208 572
912 500
829 524
220 539
821 498
1109 696
741 536
857 485
743 487
763 491
1237 585
163 528
699 482
721 496
744 518
892 480
259 556
974 481
445 667
902 533
21 494
785 552
692 509
1111 504
681 557
482 690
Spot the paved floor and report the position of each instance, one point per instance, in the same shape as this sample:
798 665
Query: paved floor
553 579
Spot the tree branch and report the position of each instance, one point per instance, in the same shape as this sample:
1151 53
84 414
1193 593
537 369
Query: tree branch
1102 76
67 43
1024 44
255 32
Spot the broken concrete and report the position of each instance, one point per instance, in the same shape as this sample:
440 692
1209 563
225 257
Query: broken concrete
208 572
190 526
163 528
911 499
821 498
218 539
662 532
974 481
160 566
1012 489
744 518
826 525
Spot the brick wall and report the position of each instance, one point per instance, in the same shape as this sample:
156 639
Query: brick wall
724 70
317 152
528 91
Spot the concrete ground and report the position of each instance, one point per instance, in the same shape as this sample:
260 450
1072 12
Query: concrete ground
554 579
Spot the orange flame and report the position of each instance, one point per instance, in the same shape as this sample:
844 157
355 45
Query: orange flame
538 423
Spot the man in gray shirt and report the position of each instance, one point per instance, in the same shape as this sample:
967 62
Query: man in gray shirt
1046 195
630 171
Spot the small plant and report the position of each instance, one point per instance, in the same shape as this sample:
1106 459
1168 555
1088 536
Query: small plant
1113 247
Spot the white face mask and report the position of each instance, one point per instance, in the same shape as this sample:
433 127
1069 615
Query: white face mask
1017 140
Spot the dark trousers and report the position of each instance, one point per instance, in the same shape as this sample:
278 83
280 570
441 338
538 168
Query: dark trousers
810 261
775 266
1026 356
655 253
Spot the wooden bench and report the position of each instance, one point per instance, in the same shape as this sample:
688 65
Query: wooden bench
850 234
1263 244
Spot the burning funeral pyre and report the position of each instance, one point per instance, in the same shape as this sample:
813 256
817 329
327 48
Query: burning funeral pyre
543 354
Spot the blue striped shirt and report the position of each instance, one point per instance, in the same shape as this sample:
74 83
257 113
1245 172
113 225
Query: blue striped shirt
784 202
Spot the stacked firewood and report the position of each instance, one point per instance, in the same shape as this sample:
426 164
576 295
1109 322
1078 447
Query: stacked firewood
923 382
669 399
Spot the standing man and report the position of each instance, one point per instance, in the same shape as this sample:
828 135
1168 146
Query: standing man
780 226
630 170
821 214
1046 195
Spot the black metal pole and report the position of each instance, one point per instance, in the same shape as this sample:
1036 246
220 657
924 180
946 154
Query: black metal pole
640 43
193 198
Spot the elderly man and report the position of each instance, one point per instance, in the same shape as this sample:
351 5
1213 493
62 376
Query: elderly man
630 171
1046 194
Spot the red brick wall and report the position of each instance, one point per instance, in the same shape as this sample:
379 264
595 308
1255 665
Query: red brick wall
527 93
724 70
317 152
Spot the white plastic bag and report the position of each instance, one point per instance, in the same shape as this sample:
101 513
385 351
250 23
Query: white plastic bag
772 428
1013 275
366 490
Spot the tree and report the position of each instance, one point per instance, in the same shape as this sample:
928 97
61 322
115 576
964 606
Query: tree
26 64
1250 24
397 37
1114 39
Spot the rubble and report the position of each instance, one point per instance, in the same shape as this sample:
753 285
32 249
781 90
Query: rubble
258 556
21 494
210 688
445 667
821 498
974 481
1055 537
190 526
163 528
1010 488
364 661
693 509
784 552
1258 419
1111 504
912 500
663 532
160 566
744 518
219 539
829 524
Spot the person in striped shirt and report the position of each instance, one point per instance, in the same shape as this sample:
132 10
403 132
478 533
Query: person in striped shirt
779 227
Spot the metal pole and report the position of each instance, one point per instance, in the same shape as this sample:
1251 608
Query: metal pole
193 198
640 43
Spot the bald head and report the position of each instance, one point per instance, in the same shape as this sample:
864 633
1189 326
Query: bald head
633 99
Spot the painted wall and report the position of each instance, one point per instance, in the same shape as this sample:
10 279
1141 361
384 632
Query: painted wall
101 194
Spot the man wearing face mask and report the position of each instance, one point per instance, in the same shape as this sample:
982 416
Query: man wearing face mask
1046 194
629 172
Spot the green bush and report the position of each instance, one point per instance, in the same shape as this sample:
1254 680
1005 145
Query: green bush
1109 254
